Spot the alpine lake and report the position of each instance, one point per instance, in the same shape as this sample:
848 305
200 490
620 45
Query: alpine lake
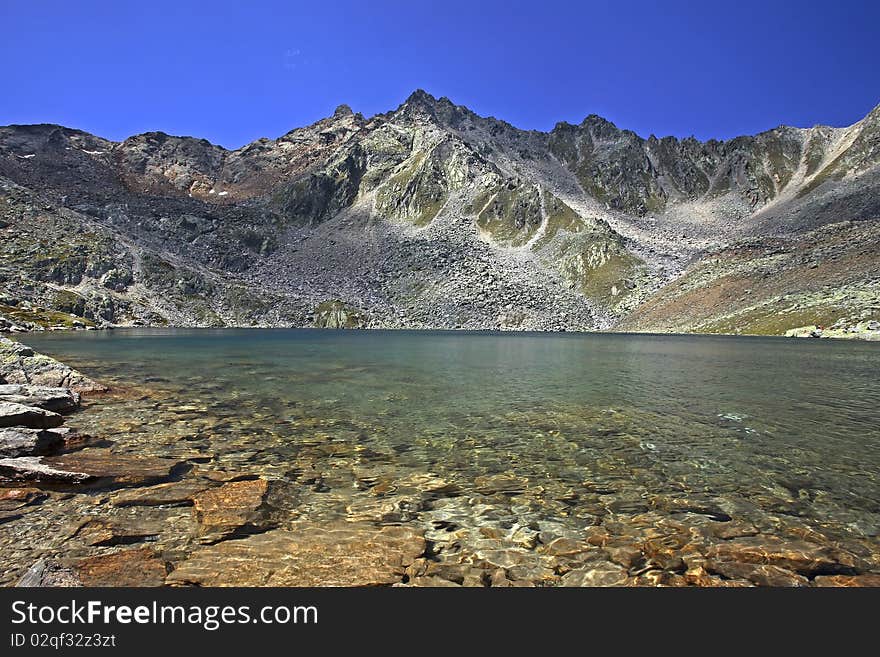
316 457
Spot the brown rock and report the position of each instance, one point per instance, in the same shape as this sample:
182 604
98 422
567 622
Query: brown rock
867 580
99 532
627 556
566 547
135 567
116 468
172 492
15 498
760 574
602 573
733 529
795 555
500 483
230 508
310 554
432 582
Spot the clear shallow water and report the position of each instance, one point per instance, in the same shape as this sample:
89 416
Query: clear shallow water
783 435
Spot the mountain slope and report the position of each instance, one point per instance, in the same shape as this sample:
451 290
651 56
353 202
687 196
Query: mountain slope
430 216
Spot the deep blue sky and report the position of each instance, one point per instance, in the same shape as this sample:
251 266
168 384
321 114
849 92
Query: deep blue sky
235 71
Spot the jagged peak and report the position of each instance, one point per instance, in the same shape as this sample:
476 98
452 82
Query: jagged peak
342 110
420 96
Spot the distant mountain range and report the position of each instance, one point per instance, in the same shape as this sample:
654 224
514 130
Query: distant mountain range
430 216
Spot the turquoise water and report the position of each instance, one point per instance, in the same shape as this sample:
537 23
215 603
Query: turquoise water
773 432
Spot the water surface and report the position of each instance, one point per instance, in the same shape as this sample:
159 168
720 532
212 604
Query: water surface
553 432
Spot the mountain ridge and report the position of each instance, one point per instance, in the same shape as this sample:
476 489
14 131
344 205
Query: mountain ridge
426 216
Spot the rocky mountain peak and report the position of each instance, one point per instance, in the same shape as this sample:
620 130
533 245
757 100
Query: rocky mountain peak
426 216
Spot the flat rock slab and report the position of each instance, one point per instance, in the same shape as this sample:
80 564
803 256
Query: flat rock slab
309 554
871 580
172 493
89 465
58 400
131 567
19 441
99 532
16 498
21 364
122 469
230 508
19 415
32 468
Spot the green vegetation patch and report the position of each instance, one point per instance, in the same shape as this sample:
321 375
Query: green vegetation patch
43 317
512 215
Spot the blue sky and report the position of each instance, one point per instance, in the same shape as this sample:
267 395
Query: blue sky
235 71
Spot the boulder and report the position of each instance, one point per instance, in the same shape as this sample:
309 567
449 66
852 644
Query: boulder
871 580
19 415
58 400
135 567
19 441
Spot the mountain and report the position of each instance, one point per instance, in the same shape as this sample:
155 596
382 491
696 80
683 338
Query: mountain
430 216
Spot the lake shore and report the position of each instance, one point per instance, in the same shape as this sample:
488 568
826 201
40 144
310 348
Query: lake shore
101 508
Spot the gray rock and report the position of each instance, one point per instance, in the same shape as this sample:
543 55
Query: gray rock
32 468
22 365
58 400
19 415
19 441
47 572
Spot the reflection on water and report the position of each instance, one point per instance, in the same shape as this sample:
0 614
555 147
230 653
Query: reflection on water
550 433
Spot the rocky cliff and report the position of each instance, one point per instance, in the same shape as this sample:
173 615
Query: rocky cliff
430 216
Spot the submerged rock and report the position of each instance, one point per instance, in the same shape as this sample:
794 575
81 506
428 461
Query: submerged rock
308 554
798 556
868 580
134 567
12 499
100 532
172 493
236 507
89 465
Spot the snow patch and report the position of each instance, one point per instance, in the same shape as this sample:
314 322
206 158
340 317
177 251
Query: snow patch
27 157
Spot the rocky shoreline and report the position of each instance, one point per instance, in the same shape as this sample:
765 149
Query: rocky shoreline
227 527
